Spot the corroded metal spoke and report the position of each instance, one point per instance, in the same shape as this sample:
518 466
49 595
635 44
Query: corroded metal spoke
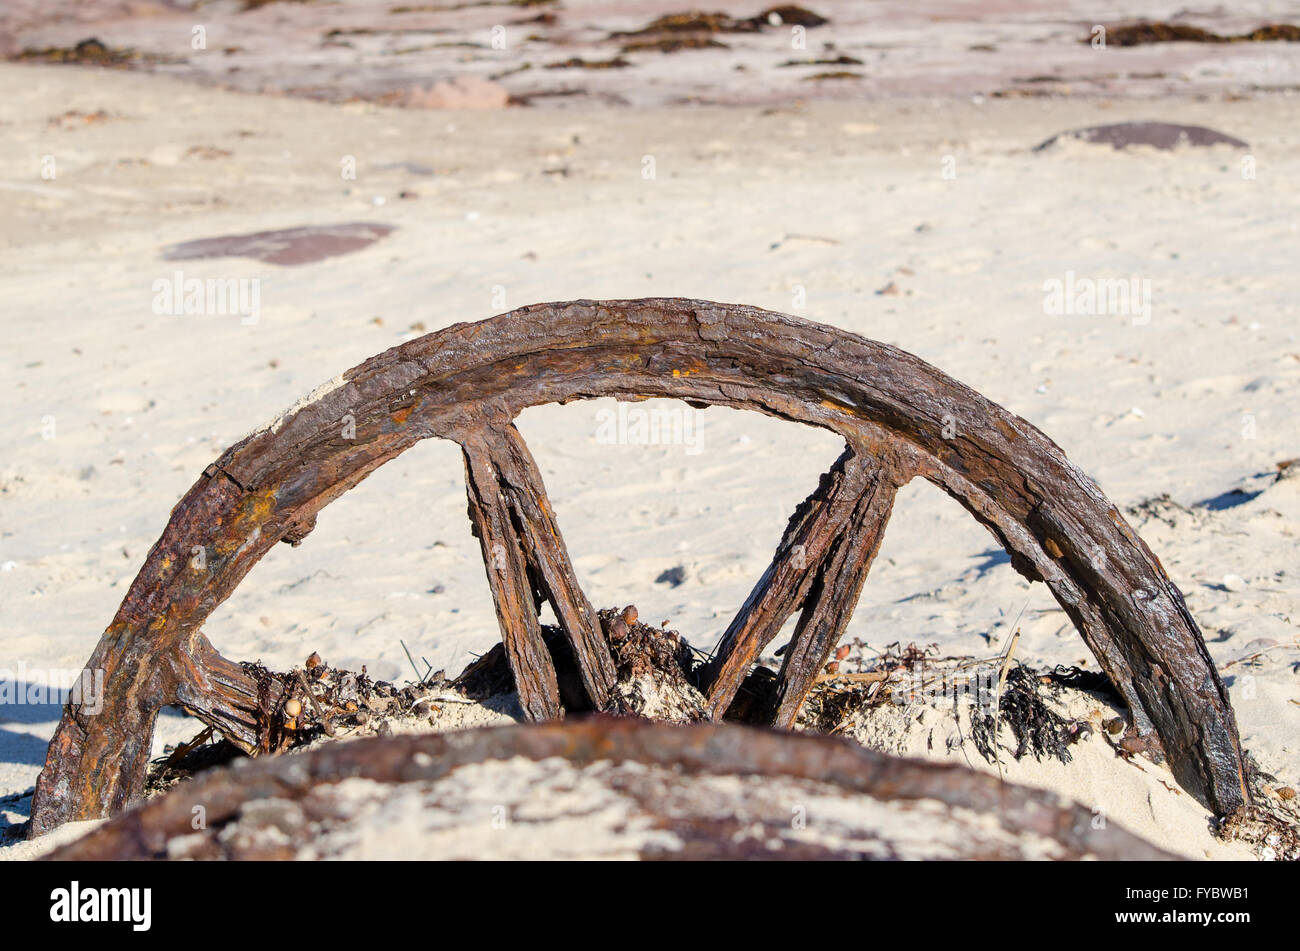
819 565
512 589
834 594
223 695
502 456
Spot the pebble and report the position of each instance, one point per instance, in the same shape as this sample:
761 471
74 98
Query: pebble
1133 744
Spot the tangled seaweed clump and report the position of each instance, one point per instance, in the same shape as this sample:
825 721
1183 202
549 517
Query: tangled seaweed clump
696 21
1270 824
92 52
1148 32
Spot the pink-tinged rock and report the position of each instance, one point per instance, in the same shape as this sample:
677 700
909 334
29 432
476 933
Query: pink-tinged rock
290 246
462 92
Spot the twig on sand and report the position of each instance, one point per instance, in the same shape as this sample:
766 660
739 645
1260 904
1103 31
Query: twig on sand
1260 653
183 749
863 677
1002 679
315 705
1006 660
419 678
410 658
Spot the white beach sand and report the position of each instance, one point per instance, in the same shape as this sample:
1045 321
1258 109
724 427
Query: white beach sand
112 412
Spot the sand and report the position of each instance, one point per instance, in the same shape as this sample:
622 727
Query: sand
582 53
927 224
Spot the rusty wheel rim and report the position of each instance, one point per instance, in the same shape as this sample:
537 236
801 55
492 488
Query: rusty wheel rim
900 418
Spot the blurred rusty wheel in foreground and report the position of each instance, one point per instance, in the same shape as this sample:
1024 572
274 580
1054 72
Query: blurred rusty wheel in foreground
603 788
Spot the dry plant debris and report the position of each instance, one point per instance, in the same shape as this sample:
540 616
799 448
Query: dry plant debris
1146 32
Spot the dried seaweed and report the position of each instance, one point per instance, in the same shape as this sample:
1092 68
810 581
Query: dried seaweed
1148 32
577 62
841 60
673 44
697 22
833 74
91 52
1270 824
167 771
839 695
296 708
693 22
1037 728
1092 681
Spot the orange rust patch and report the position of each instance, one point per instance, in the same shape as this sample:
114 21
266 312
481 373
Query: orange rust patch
690 366
400 416
838 407
1006 429
255 507
253 511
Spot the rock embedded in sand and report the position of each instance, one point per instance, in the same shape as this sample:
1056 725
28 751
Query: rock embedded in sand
289 247
790 15
1157 135
459 92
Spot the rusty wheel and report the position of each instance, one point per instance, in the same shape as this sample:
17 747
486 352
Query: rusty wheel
645 774
899 416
